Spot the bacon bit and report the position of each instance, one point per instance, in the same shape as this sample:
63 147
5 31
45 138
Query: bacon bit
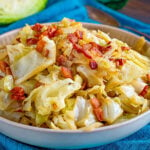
79 34
96 108
61 60
37 27
38 84
99 48
72 38
45 33
95 103
93 64
58 32
84 85
32 41
87 47
111 59
18 93
98 113
144 91
4 67
120 62
8 71
40 46
148 77
18 39
53 31
124 48
81 50
19 110
109 43
112 94
66 73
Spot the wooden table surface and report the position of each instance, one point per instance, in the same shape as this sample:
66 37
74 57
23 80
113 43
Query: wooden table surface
139 9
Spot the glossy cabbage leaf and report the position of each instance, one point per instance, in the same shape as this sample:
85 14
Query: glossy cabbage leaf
50 98
26 62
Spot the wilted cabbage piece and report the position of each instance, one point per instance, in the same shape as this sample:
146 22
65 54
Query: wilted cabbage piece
127 75
131 102
6 83
11 11
5 100
26 62
83 112
89 75
111 110
50 98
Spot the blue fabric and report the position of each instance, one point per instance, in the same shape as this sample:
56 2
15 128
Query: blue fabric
55 11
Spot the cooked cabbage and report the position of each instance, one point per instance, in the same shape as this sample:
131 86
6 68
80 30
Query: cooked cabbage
63 76
50 98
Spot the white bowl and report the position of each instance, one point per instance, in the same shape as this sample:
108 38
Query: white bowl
75 139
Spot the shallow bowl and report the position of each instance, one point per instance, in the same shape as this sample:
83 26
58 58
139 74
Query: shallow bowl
75 139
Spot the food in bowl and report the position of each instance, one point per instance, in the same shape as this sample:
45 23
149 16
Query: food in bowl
63 76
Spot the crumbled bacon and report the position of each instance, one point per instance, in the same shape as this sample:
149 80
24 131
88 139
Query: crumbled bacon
18 39
66 73
93 64
32 41
79 34
40 46
97 109
99 48
4 67
125 48
84 85
8 71
19 110
37 27
98 113
148 77
38 84
80 49
108 43
144 91
53 31
93 47
18 93
120 62
87 47
95 102
61 60
72 38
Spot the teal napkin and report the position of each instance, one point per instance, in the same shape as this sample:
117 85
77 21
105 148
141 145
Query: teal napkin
75 9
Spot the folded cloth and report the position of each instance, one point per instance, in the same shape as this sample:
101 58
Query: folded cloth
75 9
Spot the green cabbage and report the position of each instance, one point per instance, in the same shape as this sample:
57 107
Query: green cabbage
13 10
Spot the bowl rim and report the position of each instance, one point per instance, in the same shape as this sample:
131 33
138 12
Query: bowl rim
77 131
